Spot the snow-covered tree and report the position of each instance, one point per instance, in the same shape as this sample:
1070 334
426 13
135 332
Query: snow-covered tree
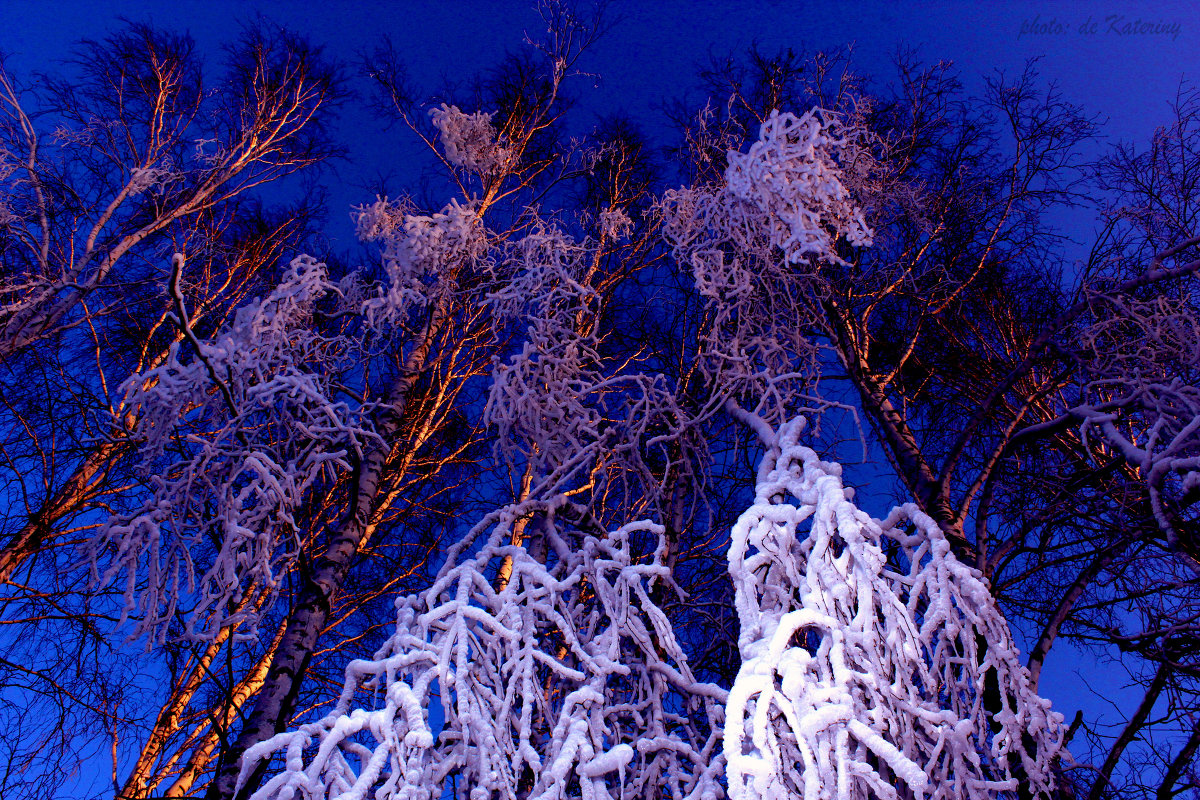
140 146
499 486
267 432
564 681
867 650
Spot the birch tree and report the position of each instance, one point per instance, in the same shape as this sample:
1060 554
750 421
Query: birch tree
131 155
587 429
979 367
813 733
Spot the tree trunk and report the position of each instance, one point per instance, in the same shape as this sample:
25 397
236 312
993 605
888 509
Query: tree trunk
1050 632
900 443
168 721
203 752
276 701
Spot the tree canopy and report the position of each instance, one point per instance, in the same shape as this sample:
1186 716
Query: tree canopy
735 465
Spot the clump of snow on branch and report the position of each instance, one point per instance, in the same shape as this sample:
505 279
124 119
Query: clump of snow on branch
791 175
615 224
866 651
757 243
546 272
381 220
563 681
539 397
1143 397
422 253
250 423
469 140
143 179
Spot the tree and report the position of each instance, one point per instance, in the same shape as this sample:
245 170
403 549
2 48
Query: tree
140 147
532 696
974 360
562 420
128 154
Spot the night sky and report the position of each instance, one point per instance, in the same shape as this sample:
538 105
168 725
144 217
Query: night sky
1124 62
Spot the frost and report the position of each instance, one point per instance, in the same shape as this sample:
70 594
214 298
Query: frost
791 175
142 179
556 397
251 426
1142 358
615 224
422 253
202 154
380 220
866 651
757 244
469 140
568 675
867 648
539 400
84 136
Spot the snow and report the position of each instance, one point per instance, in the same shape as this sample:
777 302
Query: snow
498 660
255 408
862 675
539 658
469 141
614 760
791 176
861 636
1140 400
757 241
422 254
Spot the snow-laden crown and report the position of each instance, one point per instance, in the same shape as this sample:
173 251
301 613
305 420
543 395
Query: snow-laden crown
868 650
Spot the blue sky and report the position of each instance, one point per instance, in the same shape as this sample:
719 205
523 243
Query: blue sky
1124 75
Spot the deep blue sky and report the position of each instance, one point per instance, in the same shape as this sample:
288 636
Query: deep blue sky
652 52
651 56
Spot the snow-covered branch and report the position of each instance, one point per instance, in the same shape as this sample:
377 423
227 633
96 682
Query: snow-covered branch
232 436
756 246
1142 396
867 651
423 254
567 682
469 141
